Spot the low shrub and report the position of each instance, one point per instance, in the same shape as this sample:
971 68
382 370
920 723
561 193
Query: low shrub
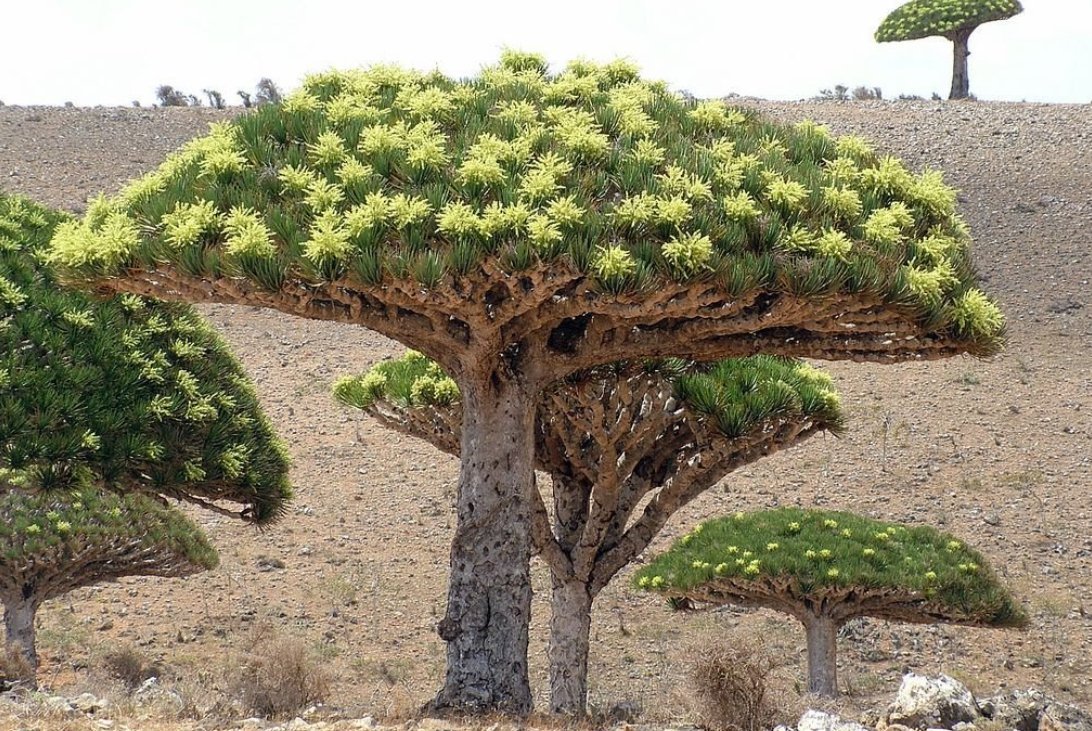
731 689
14 668
130 667
280 677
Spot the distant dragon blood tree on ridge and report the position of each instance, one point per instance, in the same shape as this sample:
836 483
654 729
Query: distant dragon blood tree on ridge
106 409
522 225
609 438
951 19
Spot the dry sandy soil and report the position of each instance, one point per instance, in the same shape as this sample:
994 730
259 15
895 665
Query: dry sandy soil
998 452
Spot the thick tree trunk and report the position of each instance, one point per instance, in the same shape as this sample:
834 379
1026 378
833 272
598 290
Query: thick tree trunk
961 83
489 595
19 632
570 627
822 635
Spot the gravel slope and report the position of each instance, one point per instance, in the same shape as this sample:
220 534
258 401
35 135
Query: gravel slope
997 452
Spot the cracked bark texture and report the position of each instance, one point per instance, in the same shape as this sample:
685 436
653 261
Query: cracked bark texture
610 438
961 83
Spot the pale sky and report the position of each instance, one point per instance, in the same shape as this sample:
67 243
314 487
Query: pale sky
114 51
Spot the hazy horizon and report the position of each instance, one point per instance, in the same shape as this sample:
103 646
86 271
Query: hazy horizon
113 52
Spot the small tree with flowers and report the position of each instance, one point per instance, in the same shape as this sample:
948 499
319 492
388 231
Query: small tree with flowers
825 568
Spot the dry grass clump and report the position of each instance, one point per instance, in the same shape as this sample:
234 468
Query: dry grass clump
731 690
280 676
14 667
130 667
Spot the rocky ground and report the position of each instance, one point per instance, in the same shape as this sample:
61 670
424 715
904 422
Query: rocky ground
998 452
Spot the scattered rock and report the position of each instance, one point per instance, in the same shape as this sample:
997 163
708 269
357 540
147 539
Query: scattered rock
267 563
1018 710
89 704
820 721
1064 717
926 702
57 704
624 712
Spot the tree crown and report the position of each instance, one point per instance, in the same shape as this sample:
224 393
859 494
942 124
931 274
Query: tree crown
799 555
129 393
924 18
90 521
371 176
735 395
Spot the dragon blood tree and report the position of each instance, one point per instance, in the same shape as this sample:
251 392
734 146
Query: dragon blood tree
826 568
54 542
521 226
126 402
951 19
131 394
614 438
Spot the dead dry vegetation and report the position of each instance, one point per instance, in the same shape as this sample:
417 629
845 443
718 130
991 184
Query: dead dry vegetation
997 452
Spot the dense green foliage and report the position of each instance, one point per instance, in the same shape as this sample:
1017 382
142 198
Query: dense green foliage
819 549
736 394
132 394
923 18
34 526
371 175
410 381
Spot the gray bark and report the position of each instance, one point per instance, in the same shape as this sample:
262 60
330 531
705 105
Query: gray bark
822 634
19 632
961 83
489 596
570 627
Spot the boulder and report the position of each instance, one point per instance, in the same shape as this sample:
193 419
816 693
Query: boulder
58 704
1018 710
1064 717
932 703
820 721
88 703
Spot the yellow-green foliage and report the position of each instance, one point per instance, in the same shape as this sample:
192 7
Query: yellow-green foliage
735 396
387 172
37 530
412 380
923 18
133 393
817 549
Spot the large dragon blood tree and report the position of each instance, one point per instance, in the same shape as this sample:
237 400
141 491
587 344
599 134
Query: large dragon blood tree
826 568
951 19
521 226
108 408
626 445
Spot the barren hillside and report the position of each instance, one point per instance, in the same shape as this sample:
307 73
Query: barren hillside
997 452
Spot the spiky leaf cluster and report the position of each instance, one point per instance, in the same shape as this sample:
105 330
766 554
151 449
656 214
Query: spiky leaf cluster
411 381
736 395
809 552
371 175
924 18
60 540
131 393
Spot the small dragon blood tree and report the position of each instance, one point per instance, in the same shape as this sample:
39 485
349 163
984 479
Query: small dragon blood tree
56 541
825 568
951 19
106 410
520 226
614 438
